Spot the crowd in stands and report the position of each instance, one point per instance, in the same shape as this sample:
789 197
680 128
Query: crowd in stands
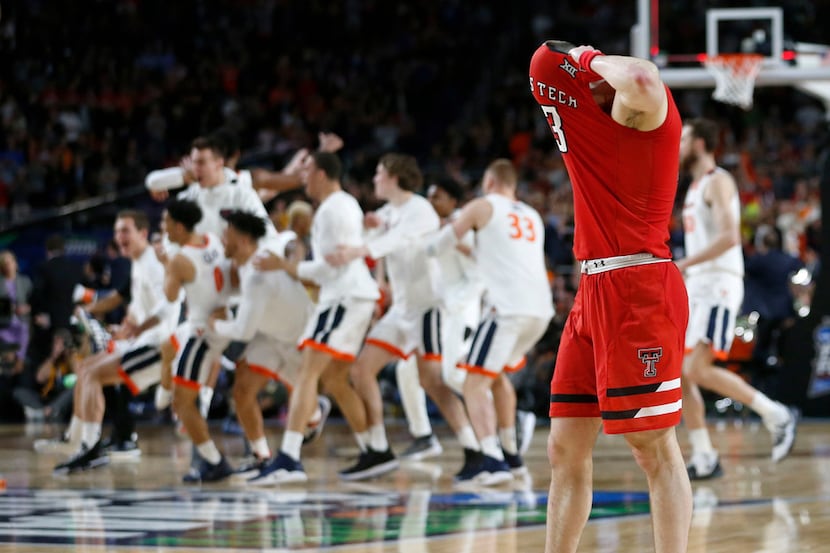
92 99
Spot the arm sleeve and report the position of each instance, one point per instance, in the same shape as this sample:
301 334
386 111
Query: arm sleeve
250 312
165 179
406 233
318 270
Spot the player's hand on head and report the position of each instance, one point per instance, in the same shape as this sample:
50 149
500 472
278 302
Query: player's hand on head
296 161
579 50
187 166
329 142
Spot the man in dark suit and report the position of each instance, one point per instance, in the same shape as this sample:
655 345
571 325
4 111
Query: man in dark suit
52 305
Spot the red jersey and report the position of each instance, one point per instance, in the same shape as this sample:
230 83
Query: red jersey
624 180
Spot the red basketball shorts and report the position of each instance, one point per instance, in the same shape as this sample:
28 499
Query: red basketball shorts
621 353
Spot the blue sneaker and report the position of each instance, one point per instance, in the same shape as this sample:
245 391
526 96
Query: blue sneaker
283 469
515 464
206 472
485 471
370 464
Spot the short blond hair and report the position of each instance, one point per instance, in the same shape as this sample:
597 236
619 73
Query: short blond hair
503 172
299 207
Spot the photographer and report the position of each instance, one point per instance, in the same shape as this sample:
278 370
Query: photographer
46 393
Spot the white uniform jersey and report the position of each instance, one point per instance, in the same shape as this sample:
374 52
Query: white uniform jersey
210 286
701 229
511 259
400 241
338 220
273 304
459 281
146 284
235 193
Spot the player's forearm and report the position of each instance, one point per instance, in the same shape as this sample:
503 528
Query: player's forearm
637 80
165 179
106 304
271 180
723 243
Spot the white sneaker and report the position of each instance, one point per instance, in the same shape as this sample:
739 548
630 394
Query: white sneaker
783 435
525 426
704 465
315 428
56 445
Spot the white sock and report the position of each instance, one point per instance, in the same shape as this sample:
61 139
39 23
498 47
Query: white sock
699 438
491 447
377 438
413 398
260 448
291 444
507 436
205 397
73 433
90 433
467 438
362 438
209 452
769 410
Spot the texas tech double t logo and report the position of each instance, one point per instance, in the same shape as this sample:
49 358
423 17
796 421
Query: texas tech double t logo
650 357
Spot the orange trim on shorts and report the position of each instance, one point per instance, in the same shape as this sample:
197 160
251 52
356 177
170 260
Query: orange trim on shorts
718 355
111 346
517 367
179 381
386 346
475 369
432 357
264 371
317 346
134 390
721 355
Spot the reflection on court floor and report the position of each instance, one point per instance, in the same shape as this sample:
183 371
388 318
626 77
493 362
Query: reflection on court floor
275 519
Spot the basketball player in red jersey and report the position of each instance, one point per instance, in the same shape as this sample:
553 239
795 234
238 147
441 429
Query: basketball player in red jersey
620 357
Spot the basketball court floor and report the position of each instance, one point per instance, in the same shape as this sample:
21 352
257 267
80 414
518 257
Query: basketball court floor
757 506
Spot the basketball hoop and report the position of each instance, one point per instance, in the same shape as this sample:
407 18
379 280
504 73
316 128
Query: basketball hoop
734 77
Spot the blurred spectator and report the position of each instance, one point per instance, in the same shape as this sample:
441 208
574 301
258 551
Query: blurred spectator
768 292
45 390
52 304
14 308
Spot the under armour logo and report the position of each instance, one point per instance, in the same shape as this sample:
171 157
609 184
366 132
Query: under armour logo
569 67
650 357
598 263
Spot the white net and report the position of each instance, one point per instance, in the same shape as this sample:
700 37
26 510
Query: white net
734 77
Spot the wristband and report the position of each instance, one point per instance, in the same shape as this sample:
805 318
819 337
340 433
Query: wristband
585 59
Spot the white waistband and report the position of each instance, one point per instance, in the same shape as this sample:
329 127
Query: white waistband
593 266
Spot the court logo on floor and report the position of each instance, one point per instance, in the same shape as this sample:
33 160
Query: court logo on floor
253 519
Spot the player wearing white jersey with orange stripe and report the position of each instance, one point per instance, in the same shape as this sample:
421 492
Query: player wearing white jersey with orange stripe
412 324
135 359
518 307
460 289
202 270
270 318
344 312
714 270
216 189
